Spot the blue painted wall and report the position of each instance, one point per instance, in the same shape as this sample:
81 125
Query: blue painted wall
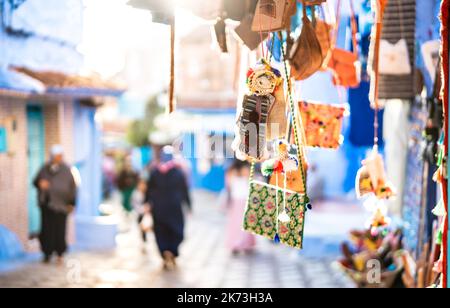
44 34
87 160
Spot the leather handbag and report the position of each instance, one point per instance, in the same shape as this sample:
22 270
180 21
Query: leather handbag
249 38
323 33
236 9
394 58
221 34
306 54
314 2
345 64
273 15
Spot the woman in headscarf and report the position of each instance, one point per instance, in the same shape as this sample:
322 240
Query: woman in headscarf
167 191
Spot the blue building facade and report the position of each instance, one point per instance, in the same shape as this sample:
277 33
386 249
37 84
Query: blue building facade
39 38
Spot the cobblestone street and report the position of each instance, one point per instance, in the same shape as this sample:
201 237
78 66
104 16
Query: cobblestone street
204 262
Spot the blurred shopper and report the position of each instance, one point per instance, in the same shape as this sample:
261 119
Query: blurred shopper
109 175
141 208
167 191
126 183
57 196
236 181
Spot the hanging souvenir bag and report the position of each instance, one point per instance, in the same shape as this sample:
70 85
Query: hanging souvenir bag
371 178
306 55
221 35
323 124
237 9
314 2
274 212
323 33
273 15
264 205
249 38
394 58
345 64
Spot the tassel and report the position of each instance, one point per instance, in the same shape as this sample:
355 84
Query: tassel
276 239
284 217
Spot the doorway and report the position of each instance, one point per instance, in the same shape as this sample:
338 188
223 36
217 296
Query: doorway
36 158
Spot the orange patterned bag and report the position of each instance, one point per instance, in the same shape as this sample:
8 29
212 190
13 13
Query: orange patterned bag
322 123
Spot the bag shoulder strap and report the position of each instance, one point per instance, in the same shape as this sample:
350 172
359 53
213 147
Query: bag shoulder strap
353 23
380 8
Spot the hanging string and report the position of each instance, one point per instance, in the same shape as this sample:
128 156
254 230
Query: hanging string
261 36
272 45
376 75
293 119
284 196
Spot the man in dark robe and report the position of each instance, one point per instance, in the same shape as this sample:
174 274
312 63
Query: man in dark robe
57 195
167 191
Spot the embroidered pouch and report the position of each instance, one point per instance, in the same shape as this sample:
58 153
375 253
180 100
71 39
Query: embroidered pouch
261 216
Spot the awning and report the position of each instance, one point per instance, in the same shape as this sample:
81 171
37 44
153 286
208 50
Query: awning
12 81
25 81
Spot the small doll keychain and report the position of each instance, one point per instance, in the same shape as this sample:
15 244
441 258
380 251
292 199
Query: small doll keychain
283 163
263 79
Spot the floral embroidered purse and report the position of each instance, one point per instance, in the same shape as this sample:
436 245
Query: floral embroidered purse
263 208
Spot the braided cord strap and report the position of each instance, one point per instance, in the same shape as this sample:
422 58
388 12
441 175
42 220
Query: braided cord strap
294 124
252 170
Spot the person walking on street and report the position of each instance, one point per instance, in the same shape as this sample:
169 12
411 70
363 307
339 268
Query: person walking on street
126 183
167 191
141 208
236 182
57 191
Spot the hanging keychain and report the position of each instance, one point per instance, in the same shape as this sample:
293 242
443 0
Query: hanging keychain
371 179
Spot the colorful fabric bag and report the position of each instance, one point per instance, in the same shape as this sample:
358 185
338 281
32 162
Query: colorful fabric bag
322 123
263 208
394 57
345 64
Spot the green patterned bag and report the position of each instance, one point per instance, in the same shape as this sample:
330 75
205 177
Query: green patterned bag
261 216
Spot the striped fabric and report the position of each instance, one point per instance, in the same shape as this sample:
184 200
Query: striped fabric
255 111
400 87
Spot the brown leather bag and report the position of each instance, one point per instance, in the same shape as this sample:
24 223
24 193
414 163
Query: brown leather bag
221 34
306 54
249 38
323 33
273 15
314 2
345 64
